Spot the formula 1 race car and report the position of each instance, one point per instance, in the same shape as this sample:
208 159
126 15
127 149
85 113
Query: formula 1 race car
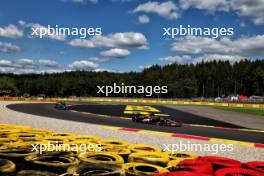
169 122
155 120
61 106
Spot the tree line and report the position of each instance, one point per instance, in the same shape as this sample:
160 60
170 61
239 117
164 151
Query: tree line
204 79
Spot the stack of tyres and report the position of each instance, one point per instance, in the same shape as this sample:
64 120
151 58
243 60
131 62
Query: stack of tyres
86 169
142 169
115 158
56 162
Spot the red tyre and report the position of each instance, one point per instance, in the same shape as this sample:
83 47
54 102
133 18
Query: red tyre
183 173
237 171
256 165
195 165
221 162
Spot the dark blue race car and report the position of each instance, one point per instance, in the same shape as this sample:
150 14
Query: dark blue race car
61 106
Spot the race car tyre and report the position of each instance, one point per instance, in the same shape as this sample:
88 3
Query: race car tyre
142 169
221 162
237 171
96 170
101 158
56 162
6 166
35 173
143 148
256 165
160 159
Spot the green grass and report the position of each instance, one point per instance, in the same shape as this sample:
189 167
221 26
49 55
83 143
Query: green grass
253 111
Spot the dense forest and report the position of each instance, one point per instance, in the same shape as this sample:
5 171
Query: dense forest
207 79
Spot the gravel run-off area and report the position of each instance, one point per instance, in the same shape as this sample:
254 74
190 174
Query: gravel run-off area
241 153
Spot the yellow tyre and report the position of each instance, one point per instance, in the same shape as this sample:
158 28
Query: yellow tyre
142 169
143 148
114 142
57 162
26 136
96 170
120 151
101 158
185 155
35 173
90 138
17 155
160 159
7 166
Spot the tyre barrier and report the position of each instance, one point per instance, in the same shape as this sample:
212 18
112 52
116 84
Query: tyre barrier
96 169
195 165
35 173
101 158
115 157
237 171
221 162
56 162
184 155
183 173
256 165
6 166
142 169
143 148
160 159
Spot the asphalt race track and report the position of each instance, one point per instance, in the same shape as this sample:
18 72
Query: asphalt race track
117 110
48 110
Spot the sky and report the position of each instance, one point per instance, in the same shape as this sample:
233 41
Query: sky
131 34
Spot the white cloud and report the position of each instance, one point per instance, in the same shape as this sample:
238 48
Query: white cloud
11 31
245 46
83 65
48 63
126 39
107 70
211 57
8 48
39 28
142 67
115 52
193 49
143 19
177 59
5 63
167 9
25 65
253 9
209 5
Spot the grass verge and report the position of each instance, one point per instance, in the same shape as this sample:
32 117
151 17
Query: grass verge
253 111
